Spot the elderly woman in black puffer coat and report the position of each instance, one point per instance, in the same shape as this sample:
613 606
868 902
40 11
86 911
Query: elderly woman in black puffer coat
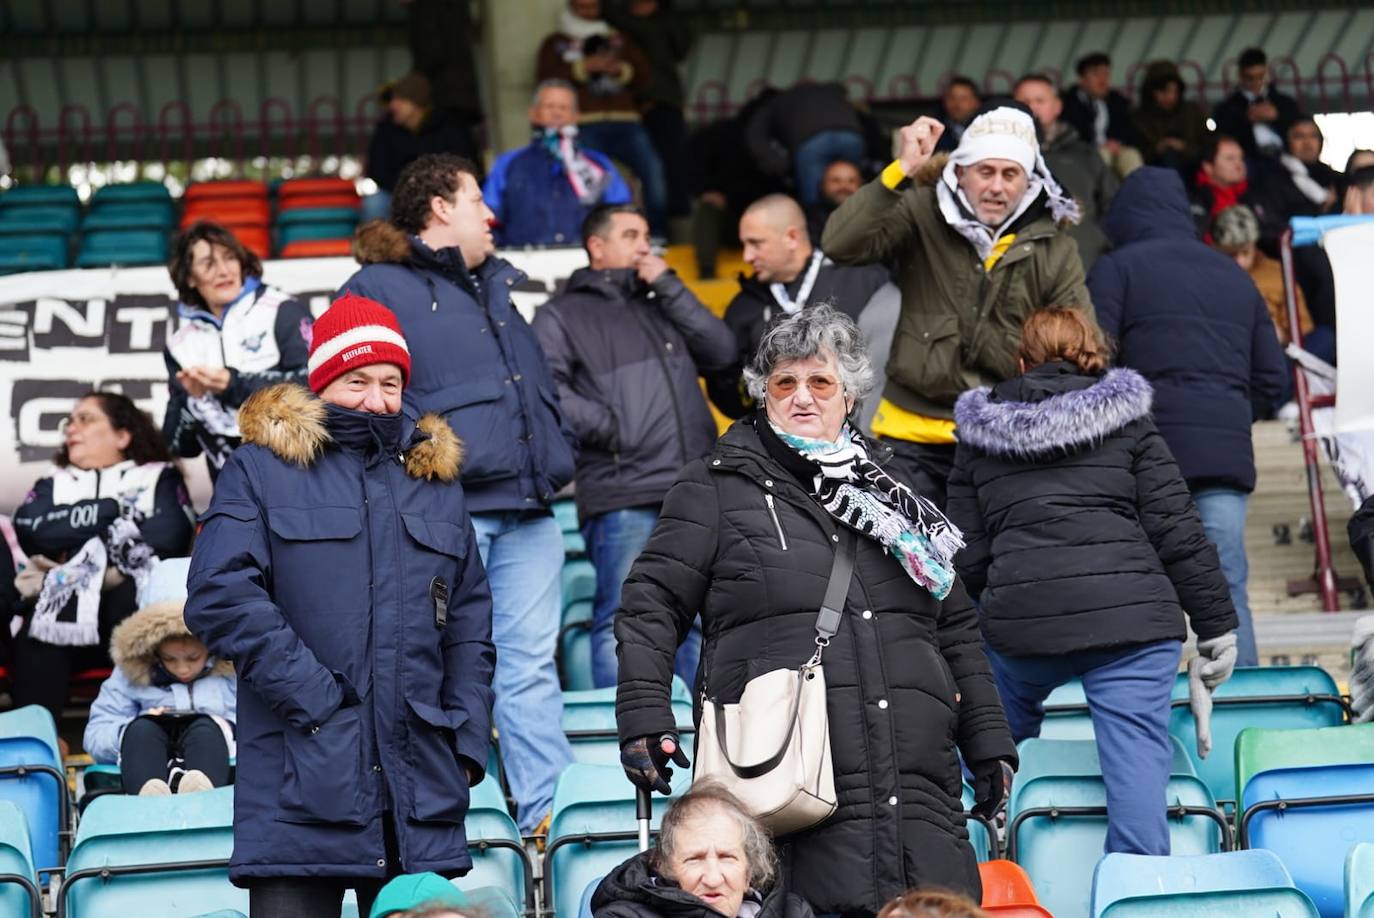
747 538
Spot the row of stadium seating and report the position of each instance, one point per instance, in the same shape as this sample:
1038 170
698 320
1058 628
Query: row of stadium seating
131 224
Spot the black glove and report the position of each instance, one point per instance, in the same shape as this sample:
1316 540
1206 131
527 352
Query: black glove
991 786
646 764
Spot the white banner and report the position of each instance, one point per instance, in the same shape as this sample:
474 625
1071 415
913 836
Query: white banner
63 333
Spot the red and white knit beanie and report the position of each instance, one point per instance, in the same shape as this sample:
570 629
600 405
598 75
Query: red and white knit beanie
355 332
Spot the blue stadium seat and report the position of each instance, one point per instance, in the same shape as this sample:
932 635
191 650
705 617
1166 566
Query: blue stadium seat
584 908
1278 697
19 892
32 778
498 854
574 546
565 511
155 857
1359 881
27 221
136 215
1058 823
1308 796
589 722
42 252
1066 713
575 647
122 247
593 829
40 196
317 215
578 580
131 192
299 232
1233 883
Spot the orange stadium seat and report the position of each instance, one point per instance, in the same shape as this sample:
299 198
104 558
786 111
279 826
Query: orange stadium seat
317 248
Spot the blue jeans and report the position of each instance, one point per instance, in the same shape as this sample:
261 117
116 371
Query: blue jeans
819 151
1128 693
1223 517
630 143
523 556
614 540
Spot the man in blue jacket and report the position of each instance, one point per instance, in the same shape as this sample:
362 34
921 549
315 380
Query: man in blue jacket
477 364
339 572
1189 320
542 191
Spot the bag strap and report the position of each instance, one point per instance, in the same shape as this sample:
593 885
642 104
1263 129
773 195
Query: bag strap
827 624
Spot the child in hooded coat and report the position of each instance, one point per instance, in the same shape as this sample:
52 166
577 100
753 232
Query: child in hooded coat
166 713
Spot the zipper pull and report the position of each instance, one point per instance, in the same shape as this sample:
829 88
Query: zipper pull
433 305
773 512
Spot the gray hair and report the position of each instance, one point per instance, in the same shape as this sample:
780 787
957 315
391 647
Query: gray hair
711 796
553 84
1235 228
815 329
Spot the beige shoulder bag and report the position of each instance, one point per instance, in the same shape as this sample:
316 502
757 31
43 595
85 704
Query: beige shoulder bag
780 727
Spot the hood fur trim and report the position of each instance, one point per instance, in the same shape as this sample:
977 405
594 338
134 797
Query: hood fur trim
133 643
287 419
929 174
380 242
1079 417
438 457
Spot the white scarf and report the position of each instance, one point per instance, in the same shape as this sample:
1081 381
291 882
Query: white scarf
579 28
81 579
959 213
588 180
1311 189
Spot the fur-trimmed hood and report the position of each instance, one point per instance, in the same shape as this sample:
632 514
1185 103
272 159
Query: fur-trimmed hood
290 420
133 643
1065 421
379 242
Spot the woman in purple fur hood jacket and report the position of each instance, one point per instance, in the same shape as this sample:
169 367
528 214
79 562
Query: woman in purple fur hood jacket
1085 552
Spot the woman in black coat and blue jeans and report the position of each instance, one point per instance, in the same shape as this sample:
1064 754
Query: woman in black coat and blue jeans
1084 552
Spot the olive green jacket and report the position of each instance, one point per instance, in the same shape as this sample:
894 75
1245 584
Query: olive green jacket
960 326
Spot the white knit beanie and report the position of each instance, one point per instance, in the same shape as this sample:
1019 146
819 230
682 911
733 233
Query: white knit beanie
1009 133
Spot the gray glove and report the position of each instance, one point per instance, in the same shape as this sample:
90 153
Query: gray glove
1200 700
1220 653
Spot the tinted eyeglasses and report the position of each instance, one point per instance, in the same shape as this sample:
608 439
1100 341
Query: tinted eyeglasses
80 419
821 385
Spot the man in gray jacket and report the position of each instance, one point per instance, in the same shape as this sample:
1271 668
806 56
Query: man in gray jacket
626 341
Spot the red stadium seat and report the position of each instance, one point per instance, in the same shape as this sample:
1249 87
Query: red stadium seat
321 200
254 238
315 187
227 189
317 248
227 213
1007 891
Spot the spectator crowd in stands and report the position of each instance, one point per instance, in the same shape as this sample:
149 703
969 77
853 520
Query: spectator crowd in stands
376 583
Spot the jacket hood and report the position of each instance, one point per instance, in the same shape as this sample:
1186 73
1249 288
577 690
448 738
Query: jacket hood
1151 204
379 242
133 643
1157 75
289 420
1065 420
616 283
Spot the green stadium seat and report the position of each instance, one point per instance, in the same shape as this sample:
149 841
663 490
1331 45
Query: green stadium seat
573 546
578 581
565 511
40 196
155 857
301 232
32 253
574 652
1234 883
317 215
130 193
32 778
1359 881
498 854
589 722
122 247
59 221
137 215
19 891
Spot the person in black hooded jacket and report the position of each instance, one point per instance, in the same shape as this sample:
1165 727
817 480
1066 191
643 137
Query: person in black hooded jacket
1084 552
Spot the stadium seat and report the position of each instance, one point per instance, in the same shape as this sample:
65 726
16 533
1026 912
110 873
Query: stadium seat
314 188
255 239
1251 883
1359 881
1007 891
19 892
593 829
318 248
578 581
1066 714
317 215
565 512
1058 823
584 908
40 196
589 722
1278 697
978 835
57 221
301 232
574 546
498 855
574 652
40 252
129 216
233 189
32 778
153 857
1308 796
122 247
350 201
131 192
227 212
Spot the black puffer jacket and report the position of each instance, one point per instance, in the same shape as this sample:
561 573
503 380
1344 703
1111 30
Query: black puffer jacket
1081 532
626 357
741 541
633 890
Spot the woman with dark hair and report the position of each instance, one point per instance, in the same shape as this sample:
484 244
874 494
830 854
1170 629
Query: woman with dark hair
93 527
235 335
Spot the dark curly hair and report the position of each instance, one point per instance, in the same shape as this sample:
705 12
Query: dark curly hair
179 266
432 176
145 441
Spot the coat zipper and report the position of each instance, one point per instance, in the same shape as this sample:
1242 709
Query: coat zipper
773 512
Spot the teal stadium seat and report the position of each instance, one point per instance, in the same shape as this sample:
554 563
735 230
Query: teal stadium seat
29 221
1066 713
498 854
122 247
304 232
589 722
565 511
19 892
1058 822
131 193
1252 883
40 196
32 778
1359 881
317 215
578 581
593 829
978 835
39 252
136 215
155 857
584 908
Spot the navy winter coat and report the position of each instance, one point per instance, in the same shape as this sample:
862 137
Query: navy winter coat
314 575
1191 321
475 361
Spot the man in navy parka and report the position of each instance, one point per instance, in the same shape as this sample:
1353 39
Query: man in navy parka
338 569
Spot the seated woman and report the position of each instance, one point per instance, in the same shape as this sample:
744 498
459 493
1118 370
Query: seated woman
166 714
235 335
711 859
93 528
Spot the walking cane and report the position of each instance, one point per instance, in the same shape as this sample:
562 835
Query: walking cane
644 809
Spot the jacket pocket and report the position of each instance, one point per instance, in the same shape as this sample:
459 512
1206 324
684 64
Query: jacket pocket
320 782
553 457
437 535
475 412
927 357
315 524
440 782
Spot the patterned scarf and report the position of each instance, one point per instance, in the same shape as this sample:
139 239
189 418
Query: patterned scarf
588 180
859 494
